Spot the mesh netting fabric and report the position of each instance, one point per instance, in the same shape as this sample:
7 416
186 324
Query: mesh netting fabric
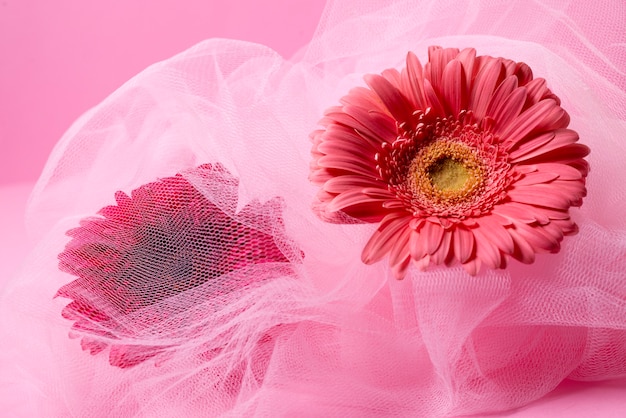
180 270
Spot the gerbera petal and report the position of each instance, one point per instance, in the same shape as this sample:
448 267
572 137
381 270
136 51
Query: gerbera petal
128 356
472 266
536 178
400 254
366 211
524 251
431 234
122 199
566 225
383 239
399 270
352 166
395 102
523 73
537 91
352 198
520 149
581 165
394 204
502 91
415 80
350 144
572 153
541 215
94 347
515 212
496 233
486 82
359 97
442 253
393 76
545 215
376 127
347 183
555 118
454 87
543 144
438 58
554 230
422 263
563 171
468 57
504 109
538 196
463 244
377 192
433 101
80 308
487 252
537 237
528 120
573 191
417 246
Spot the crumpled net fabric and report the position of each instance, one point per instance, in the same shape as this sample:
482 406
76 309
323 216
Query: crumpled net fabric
310 330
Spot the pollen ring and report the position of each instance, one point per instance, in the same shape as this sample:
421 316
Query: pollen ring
446 172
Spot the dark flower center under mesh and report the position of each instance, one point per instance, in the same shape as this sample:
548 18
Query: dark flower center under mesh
167 262
133 260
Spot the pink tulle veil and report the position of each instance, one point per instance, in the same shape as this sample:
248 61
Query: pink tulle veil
287 320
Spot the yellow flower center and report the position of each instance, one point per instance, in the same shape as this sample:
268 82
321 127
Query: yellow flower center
446 173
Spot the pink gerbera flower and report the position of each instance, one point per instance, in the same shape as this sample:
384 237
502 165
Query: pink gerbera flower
465 160
163 240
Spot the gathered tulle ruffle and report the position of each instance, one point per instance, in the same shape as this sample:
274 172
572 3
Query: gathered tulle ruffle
316 332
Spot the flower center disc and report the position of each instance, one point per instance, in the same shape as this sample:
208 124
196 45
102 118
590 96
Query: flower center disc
446 173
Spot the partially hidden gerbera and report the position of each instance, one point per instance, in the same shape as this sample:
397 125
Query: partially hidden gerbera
164 239
465 160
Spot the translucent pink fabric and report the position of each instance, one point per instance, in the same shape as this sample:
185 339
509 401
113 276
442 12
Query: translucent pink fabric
316 332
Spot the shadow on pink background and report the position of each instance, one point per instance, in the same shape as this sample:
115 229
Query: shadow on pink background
59 58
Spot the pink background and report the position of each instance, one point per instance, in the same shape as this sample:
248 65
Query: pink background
58 58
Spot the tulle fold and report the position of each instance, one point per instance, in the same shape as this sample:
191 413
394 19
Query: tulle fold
319 333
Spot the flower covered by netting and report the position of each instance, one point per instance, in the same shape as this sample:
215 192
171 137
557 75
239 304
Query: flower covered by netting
280 316
465 160
165 239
